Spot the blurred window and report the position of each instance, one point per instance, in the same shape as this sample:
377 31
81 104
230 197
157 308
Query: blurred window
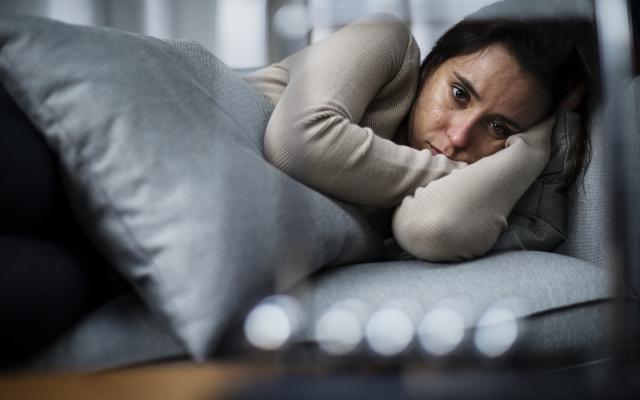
241 33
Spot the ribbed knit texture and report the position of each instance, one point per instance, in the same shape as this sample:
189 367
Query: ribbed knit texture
338 106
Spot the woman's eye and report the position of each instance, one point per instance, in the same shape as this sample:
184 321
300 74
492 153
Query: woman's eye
459 95
498 129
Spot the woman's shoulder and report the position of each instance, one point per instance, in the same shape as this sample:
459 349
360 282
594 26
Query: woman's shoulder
385 29
389 24
380 46
377 38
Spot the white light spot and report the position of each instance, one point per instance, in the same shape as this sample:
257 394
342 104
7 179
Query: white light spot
292 21
338 331
272 322
389 331
441 331
496 332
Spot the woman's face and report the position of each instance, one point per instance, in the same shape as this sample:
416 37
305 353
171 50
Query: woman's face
470 105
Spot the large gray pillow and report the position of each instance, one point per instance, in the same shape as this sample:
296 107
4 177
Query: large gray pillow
160 146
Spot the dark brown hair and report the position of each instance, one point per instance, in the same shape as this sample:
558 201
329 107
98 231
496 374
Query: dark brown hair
559 53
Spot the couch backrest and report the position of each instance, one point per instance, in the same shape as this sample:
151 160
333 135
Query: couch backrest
634 253
633 159
590 219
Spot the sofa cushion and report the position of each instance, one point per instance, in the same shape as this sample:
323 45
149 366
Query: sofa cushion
161 154
122 332
540 280
528 283
591 218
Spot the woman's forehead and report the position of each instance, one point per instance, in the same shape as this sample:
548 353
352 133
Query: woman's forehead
497 82
489 68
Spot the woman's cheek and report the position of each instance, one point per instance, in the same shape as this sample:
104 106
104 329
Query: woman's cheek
433 110
427 127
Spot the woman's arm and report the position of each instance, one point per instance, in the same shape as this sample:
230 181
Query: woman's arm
461 215
317 132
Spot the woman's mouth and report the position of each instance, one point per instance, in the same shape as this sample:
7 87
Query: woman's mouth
435 151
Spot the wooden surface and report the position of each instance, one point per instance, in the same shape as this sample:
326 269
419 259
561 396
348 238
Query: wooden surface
189 381
183 381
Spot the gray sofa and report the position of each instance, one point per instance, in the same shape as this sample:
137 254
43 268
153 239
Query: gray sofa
564 299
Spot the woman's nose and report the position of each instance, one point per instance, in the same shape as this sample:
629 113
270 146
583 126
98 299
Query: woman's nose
460 130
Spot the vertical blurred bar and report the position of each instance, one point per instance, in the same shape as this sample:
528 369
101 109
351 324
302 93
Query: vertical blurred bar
127 15
429 19
187 19
240 33
35 7
330 15
158 18
634 119
615 56
88 12
288 27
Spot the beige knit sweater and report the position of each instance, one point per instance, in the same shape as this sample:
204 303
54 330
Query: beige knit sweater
339 104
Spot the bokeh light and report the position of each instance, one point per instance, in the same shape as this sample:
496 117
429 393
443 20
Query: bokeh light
496 332
292 21
441 331
389 331
273 322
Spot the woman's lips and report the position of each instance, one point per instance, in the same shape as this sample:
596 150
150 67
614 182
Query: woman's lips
435 151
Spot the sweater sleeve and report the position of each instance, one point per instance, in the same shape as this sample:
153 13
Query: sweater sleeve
461 215
317 133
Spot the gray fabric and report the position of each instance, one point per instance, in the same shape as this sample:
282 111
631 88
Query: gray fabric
557 338
589 219
527 281
580 333
161 152
632 146
558 300
122 332
538 221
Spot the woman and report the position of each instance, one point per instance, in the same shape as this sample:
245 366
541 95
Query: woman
354 118
451 145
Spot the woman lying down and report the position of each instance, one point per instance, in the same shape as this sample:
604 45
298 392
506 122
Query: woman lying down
451 144
448 146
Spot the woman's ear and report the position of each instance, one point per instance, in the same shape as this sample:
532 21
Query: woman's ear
574 96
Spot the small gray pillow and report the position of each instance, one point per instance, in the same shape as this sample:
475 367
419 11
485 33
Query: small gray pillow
160 146
539 219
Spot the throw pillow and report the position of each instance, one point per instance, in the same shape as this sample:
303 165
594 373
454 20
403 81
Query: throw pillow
161 151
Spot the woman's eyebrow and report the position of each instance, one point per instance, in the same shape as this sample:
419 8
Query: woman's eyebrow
467 85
